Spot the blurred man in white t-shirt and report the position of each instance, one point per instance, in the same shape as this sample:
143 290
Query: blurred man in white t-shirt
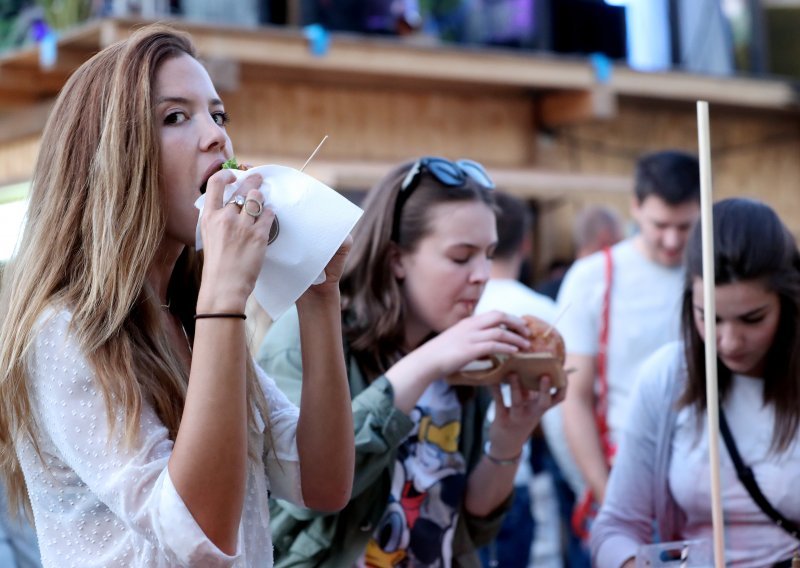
646 283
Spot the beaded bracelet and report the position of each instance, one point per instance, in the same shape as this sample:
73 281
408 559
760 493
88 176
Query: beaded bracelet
487 451
220 315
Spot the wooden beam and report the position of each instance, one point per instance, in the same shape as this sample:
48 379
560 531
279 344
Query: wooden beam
10 99
571 107
25 121
733 91
32 80
524 182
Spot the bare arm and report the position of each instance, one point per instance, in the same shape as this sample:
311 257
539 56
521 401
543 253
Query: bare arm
208 461
325 439
491 482
580 427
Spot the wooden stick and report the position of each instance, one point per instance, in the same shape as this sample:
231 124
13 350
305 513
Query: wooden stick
555 321
314 153
710 317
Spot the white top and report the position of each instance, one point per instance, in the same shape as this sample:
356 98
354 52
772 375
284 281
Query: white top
97 503
751 538
513 297
645 314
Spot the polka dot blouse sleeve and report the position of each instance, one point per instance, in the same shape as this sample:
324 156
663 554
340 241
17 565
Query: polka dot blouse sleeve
96 500
281 458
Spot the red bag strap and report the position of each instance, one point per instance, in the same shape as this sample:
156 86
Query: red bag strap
586 509
601 404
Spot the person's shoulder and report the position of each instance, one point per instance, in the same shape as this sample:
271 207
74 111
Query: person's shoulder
589 264
516 298
663 367
587 273
668 355
53 322
56 350
592 266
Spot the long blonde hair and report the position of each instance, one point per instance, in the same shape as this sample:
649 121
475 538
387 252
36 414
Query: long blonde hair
95 220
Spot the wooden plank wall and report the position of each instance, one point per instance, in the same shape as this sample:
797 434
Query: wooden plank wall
374 123
754 154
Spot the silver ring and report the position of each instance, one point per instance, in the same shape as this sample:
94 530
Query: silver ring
236 200
257 212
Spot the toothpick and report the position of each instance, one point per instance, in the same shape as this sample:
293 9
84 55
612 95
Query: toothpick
555 321
314 153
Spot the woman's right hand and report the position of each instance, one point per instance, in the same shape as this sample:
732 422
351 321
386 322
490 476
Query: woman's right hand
472 338
234 244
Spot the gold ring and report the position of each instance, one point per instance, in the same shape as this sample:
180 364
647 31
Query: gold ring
259 205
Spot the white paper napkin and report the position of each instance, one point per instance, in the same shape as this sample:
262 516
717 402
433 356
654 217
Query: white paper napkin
314 221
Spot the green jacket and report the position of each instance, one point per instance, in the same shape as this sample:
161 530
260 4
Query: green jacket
305 538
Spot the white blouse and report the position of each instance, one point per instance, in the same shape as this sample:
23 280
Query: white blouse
97 502
751 538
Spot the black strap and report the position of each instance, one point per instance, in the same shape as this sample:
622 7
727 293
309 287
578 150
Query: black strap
747 478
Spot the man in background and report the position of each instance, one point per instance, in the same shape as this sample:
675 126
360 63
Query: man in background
622 304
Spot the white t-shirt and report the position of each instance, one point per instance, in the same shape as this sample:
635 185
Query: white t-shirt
645 314
751 538
99 503
513 297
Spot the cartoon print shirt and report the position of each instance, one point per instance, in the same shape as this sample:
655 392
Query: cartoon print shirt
428 485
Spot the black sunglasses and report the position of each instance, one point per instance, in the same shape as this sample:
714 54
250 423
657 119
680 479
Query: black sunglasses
450 174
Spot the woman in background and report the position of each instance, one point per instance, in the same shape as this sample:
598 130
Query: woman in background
429 486
661 471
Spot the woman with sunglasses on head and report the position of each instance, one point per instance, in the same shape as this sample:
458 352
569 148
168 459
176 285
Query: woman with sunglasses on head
660 476
134 422
429 487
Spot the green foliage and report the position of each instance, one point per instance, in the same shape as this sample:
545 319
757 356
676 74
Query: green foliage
62 14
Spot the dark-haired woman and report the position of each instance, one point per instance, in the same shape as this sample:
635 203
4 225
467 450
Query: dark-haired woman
427 489
661 473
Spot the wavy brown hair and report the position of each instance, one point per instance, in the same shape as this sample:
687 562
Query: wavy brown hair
751 244
372 297
95 220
